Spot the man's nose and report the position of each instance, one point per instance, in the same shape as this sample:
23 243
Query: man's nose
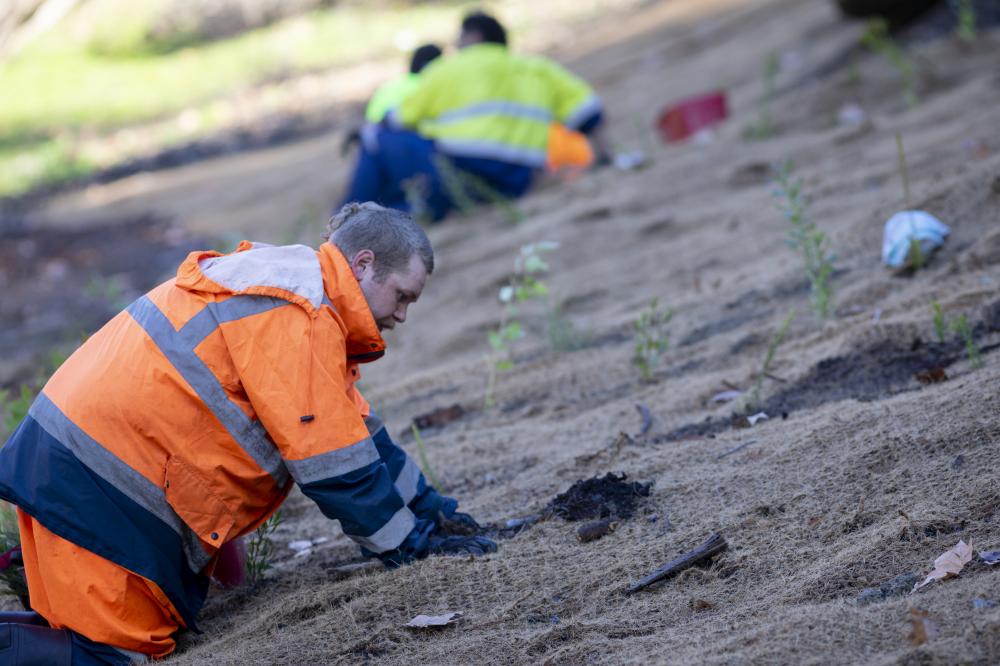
400 313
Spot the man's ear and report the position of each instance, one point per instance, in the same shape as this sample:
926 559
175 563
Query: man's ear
362 261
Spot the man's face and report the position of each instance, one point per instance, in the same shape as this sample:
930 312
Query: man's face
390 295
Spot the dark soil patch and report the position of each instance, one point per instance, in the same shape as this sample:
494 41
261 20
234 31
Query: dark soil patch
600 497
439 417
61 284
870 373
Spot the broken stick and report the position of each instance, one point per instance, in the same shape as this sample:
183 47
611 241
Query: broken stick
714 545
647 419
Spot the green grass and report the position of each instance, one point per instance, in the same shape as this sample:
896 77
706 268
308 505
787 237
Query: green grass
62 86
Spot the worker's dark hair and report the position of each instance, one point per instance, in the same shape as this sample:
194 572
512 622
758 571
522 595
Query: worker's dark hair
488 27
390 234
423 57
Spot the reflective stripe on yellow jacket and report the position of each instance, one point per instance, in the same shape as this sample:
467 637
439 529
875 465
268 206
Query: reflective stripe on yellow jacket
485 102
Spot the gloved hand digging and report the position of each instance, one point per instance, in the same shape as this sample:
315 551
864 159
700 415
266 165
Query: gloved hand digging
461 545
460 524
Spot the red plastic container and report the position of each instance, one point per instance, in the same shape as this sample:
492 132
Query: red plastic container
680 121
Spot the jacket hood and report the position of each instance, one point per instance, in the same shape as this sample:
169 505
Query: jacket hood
295 273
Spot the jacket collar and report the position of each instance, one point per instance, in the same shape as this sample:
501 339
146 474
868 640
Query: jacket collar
364 342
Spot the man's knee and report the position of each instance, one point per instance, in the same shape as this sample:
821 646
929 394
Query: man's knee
34 645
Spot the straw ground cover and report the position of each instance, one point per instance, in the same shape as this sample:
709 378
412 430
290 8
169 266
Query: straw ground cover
809 504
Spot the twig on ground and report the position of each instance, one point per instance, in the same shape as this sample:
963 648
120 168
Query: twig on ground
736 450
647 419
714 545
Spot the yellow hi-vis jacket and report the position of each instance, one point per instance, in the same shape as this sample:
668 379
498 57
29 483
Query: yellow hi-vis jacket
486 102
389 95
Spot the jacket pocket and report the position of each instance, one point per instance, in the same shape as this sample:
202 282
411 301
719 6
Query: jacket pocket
189 494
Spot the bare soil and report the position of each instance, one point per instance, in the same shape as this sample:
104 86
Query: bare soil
870 475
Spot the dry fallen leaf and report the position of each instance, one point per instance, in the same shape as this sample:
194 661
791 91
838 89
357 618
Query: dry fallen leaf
921 627
423 621
948 564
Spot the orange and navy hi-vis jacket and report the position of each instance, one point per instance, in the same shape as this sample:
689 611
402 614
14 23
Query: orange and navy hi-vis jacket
182 424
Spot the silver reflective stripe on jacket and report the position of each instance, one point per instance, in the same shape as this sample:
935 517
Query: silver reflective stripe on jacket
390 535
334 463
247 432
582 112
493 108
531 157
115 471
408 480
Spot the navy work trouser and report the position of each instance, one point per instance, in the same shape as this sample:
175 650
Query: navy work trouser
394 163
25 640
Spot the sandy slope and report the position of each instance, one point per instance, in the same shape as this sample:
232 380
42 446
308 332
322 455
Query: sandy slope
841 495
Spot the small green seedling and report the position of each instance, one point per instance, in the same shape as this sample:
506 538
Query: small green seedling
940 325
753 400
465 190
763 128
562 334
12 578
425 464
962 328
966 28
876 37
14 409
806 239
525 284
651 339
915 258
260 548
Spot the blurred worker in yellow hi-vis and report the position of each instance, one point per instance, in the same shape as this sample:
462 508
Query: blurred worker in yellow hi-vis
486 115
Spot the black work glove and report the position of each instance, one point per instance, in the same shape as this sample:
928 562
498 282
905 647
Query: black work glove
461 545
461 524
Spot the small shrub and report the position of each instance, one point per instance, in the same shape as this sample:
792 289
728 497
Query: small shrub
425 464
806 239
651 339
562 334
14 409
752 402
466 190
260 548
763 128
524 285
876 37
12 578
940 324
964 331
966 28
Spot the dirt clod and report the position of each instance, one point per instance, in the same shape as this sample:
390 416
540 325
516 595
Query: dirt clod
439 417
595 530
599 497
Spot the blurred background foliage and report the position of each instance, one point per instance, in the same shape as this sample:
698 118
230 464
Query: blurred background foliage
90 83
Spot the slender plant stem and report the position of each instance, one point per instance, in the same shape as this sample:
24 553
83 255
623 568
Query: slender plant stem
424 463
903 171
